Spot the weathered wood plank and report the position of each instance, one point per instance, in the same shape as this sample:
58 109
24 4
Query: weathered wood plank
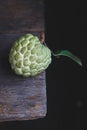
21 16
20 98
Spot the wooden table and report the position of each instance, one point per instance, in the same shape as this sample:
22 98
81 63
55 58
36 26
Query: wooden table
20 98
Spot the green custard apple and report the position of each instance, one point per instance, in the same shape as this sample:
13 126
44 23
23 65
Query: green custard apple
29 57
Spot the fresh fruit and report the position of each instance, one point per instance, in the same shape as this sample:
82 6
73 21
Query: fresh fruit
29 57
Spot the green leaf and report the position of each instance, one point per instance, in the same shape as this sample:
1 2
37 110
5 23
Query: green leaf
68 54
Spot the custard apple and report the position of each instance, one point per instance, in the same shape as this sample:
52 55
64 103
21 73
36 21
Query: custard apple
28 57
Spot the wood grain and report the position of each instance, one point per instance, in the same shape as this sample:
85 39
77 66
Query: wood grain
21 16
20 98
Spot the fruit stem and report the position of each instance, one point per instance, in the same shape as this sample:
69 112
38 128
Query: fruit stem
42 38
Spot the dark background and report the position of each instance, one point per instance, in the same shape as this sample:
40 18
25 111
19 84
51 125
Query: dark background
66 28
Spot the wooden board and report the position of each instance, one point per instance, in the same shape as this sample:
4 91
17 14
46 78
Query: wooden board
20 98
20 16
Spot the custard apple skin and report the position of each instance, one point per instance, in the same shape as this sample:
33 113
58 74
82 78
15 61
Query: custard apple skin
28 57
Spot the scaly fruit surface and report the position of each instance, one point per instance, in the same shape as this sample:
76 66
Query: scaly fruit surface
28 57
